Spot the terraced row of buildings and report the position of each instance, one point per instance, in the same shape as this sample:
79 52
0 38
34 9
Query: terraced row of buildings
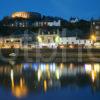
31 30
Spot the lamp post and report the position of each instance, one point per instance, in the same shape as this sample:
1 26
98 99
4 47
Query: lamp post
39 39
93 38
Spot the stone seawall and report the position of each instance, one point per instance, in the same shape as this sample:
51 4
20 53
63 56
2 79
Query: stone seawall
52 55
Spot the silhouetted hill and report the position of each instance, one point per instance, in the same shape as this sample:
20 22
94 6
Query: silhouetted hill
81 27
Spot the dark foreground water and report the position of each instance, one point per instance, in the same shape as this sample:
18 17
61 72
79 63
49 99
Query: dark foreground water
50 81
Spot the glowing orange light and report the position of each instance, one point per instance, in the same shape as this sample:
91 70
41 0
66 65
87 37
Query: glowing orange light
62 47
20 15
93 37
19 90
71 46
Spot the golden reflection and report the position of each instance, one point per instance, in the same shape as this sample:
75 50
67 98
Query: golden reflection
90 67
97 67
57 74
18 90
61 65
21 82
47 70
71 65
47 67
48 73
93 75
92 70
45 85
12 78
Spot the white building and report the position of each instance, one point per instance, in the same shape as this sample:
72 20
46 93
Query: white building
48 40
53 41
47 23
75 41
68 40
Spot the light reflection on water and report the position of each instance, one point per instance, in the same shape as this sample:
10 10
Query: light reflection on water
25 78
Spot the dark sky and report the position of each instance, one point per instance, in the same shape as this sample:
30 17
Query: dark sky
62 8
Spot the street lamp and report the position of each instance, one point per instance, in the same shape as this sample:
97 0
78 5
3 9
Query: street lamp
57 39
93 38
39 39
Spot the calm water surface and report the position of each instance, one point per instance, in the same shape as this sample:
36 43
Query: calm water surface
50 81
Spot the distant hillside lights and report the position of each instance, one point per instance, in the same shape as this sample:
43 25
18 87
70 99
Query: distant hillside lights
36 24
47 23
55 23
34 20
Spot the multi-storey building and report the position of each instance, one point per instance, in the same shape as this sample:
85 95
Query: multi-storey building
10 42
76 41
95 29
48 40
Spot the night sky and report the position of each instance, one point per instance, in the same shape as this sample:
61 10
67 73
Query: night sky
61 8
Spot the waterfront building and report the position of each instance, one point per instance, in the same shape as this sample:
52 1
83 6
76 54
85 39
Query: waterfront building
10 42
68 40
43 40
95 29
48 40
76 41
85 42
95 32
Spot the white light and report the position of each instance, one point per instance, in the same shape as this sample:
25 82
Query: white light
39 74
12 74
43 67
12 40
88 68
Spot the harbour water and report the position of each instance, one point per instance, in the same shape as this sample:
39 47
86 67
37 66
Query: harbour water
50 81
